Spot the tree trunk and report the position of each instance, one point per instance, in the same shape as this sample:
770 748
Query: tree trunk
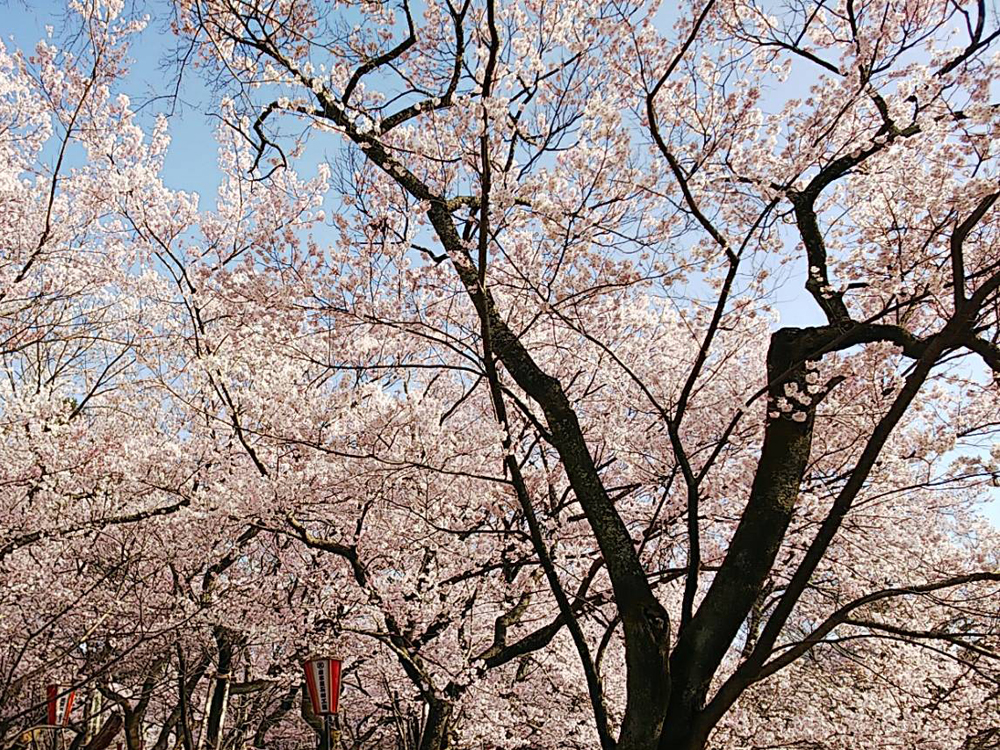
704 641
220 695
437 728
133 731
106 735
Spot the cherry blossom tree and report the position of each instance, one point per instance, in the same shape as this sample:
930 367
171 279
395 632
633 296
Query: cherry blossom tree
557 156
475 373
86 446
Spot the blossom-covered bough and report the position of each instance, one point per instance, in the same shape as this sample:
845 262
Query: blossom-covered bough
499 406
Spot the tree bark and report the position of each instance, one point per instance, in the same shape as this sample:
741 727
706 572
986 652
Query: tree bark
704 641
220 696
437 728
106 735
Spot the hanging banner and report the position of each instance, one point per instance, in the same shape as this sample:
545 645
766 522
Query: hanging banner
92 714
60 704
323 681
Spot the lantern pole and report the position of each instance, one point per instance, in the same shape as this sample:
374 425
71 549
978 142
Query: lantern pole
326 733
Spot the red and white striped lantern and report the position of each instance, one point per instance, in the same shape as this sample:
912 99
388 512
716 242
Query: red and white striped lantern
60 704
323 681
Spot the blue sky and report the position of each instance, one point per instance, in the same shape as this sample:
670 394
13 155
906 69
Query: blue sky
190 163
